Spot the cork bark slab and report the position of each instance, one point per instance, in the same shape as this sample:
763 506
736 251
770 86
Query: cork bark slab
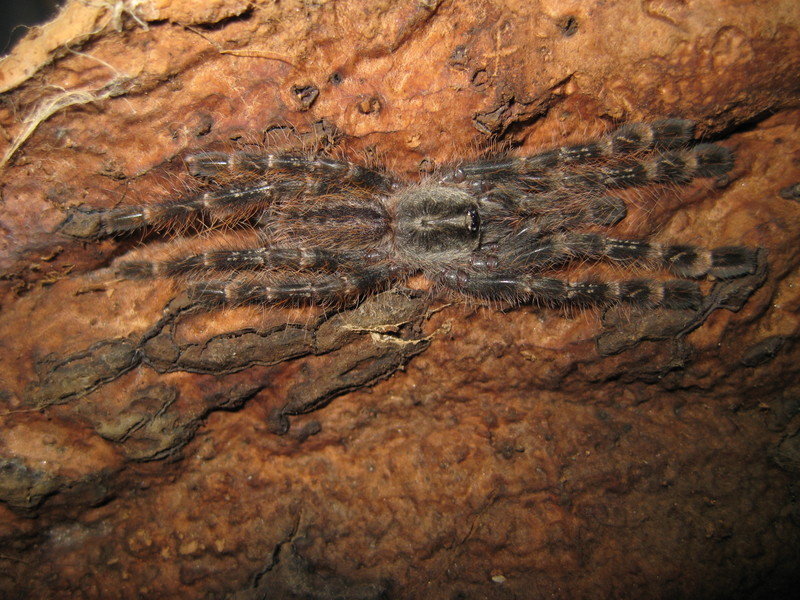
427 450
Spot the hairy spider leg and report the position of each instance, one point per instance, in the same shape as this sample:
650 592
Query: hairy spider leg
673 167
555 200
548 213
319 170
548 291
535 252
253 182
334 289
631 138
231 204
245 259
347 229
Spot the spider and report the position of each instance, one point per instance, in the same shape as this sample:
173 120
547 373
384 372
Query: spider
331 232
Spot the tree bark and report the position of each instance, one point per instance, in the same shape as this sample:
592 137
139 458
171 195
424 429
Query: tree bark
408 447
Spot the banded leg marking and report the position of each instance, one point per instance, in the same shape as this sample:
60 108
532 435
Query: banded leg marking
628 139
673 166
248 259
683 260
325 289
644 293
328 172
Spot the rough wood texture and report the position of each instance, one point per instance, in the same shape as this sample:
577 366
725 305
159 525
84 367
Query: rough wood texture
519 454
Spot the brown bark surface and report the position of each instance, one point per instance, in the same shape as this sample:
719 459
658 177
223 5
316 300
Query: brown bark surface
409 447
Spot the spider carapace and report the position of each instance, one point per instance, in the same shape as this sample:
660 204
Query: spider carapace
331 231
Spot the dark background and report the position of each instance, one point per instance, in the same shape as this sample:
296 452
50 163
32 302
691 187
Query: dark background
17 15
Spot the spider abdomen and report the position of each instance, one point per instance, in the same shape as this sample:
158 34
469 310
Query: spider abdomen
330 221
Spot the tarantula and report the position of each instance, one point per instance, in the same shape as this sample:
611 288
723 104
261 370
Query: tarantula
331 231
